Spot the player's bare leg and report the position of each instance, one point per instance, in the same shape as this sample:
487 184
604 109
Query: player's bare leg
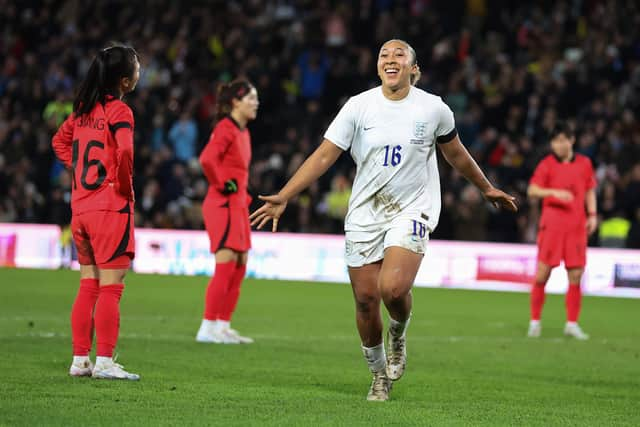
537 299
573 303
107 320
364 283
82 321
398 272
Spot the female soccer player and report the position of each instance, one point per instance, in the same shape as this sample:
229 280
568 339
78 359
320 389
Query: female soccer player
225 162
391 131
566 183
96 142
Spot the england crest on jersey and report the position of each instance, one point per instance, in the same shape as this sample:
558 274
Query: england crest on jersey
419 129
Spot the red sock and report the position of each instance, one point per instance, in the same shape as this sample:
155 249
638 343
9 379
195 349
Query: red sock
537 300
82 316
107 319
572 302
217 289
233 294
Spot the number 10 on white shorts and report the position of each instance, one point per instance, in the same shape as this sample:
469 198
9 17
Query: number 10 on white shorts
363 248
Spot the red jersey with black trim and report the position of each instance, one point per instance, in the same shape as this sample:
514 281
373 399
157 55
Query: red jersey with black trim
227 156
575 176
98 147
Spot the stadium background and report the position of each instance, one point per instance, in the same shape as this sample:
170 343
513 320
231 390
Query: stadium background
507 69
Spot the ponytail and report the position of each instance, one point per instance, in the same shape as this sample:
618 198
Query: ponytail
223 101
415 77
227 92
103 77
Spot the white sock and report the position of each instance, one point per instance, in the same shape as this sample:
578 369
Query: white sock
398 329
223 324
101 360
80 360
376 357
534 322
572 324
207 326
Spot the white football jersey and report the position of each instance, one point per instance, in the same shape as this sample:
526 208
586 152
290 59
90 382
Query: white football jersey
393 146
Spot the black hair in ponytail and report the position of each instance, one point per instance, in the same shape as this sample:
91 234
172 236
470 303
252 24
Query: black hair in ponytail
103 77
227 92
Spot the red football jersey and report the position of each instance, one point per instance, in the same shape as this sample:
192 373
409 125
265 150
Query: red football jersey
227 156
575 176
98 147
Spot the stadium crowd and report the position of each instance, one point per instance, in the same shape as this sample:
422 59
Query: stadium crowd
507 69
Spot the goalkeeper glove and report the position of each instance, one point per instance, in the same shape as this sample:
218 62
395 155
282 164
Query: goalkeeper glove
230 187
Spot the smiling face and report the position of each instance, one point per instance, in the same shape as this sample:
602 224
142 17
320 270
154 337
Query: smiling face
396 64
247 106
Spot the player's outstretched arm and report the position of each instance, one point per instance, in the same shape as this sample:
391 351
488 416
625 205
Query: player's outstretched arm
457 156
313 168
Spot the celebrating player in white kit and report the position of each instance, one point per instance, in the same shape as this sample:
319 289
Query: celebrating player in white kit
391 132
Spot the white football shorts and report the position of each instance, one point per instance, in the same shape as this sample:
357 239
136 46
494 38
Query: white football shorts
362 248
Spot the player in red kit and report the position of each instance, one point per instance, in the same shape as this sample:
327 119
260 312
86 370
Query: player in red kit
566 183
225 162
96 143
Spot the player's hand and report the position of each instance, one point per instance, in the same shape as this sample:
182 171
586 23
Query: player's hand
230 187
592 224
500 199
564 195
272 210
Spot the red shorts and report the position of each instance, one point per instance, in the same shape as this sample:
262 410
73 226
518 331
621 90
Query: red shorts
570 245
104 238
228 227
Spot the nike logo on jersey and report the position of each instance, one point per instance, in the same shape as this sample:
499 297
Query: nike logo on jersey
368 128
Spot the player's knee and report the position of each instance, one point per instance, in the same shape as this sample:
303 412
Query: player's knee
366 302
394 290
112 276
543 272
542 277
227 255
575 276
541 282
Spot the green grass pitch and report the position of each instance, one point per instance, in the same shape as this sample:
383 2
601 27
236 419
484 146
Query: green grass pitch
468 360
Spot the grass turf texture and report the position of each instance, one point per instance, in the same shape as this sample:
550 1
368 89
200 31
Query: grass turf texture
469 363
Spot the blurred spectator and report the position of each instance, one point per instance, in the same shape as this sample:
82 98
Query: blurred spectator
470 216
314 66
633 238
183 136
336 202
614 231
